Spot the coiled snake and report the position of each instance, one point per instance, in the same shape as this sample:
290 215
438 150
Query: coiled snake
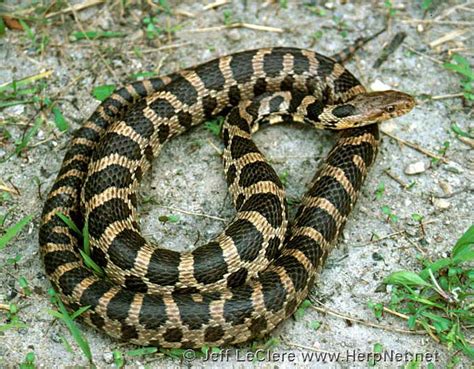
256 272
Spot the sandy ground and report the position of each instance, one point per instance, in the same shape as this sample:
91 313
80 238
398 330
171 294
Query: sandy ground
188 174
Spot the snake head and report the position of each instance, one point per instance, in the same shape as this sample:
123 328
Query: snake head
372 107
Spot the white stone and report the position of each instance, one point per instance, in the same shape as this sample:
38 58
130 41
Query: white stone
378 85
416 168
441 204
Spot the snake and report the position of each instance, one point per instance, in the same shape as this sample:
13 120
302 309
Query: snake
254 274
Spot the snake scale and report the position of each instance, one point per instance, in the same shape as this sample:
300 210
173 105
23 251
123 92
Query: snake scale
254 274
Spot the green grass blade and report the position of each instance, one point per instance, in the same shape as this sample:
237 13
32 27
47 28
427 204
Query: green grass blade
82 343
91 263
142 351
68 221
59 119
464 248
80 311
405 278
103 92
85 239
13 230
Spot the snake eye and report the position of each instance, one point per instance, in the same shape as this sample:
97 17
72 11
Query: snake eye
390 109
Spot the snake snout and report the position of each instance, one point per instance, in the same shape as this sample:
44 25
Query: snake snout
382 105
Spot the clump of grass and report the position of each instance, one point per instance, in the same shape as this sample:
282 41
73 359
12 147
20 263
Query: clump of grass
38 41
284 177
391 216
154 28
31 91
29 362
461 65
440 298
215 126
391 10
300 312
12 319
379 190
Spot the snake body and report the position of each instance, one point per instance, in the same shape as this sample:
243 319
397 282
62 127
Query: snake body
255 273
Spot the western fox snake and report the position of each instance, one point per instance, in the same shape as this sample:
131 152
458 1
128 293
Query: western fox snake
255 273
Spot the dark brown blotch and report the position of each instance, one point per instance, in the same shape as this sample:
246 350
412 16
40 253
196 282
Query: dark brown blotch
237 278
183 90
163 267
173 335
209 263
246 237
257 326
268 205
118 307
213 333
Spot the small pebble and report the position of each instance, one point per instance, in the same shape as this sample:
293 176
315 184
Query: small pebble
234 35
446 187
108 357
441 204
416 168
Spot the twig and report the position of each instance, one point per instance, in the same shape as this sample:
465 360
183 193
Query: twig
184 13
459 49
448 96
216 4
438 288
4 187
396 179
406 317
447 37
452 9
5 307
466 140
326 310
432 21
416 147
192 213
423 55
415 245
255 27
76 7
218 151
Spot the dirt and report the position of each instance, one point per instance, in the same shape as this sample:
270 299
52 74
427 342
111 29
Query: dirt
188 174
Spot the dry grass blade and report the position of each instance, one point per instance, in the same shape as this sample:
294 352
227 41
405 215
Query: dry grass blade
76 7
